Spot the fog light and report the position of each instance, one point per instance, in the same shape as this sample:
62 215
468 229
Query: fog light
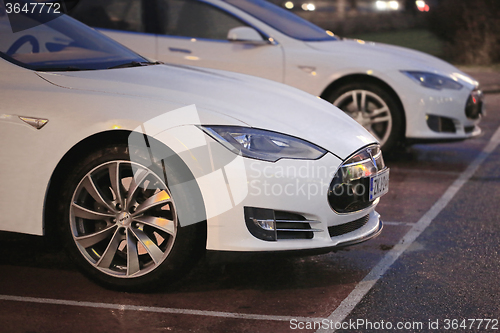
269 225
261 223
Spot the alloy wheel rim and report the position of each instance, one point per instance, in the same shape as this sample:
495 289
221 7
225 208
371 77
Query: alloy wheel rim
369 110
123 219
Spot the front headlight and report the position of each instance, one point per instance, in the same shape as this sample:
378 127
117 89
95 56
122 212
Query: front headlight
263 145
433 81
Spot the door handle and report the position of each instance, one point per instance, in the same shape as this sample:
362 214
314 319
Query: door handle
174 49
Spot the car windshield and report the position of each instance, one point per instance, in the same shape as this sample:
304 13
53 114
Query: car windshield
61 44
282 20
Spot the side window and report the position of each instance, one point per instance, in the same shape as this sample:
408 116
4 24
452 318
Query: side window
111 14
195 19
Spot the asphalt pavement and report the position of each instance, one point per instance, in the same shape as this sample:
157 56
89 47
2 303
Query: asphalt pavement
449 278
437 259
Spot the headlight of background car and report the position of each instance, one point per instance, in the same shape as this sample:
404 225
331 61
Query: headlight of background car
433 81
263 145
349 189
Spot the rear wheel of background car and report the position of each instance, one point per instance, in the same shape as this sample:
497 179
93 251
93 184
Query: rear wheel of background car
120 224
372 107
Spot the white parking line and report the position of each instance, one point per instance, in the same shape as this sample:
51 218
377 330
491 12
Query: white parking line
124 307
350 302
420 171
399 223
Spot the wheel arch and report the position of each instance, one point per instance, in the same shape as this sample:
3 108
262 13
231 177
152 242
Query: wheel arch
351 78
82 148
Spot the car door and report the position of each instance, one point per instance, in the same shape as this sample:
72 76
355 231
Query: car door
126 21
195 33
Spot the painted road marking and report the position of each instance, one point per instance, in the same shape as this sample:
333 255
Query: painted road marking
347 304
350 302
399 223
124 307
426 171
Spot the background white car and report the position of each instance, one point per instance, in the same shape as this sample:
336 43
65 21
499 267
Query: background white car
395 93
140 167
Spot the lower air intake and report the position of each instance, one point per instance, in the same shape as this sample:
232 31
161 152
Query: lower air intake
345 228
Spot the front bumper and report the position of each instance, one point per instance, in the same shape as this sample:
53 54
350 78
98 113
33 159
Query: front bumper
229 183
217 256
441 115
295 187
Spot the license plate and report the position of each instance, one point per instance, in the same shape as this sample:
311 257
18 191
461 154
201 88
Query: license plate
379 184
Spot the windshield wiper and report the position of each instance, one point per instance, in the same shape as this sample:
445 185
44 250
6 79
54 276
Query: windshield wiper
59 69
136 64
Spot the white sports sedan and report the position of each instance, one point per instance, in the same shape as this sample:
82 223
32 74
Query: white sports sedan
397 94
140 167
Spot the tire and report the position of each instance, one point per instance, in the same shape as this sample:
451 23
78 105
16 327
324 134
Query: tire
119 222
372 107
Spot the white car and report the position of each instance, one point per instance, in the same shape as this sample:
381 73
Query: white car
140 167
397 94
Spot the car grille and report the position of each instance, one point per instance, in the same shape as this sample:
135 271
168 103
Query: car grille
349 190
345 228
474 106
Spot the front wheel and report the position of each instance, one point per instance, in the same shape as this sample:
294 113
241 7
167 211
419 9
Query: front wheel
120 222
373 108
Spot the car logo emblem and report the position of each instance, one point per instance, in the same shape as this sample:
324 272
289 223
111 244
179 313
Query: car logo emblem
369 151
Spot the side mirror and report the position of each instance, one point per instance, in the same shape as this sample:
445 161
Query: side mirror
245 35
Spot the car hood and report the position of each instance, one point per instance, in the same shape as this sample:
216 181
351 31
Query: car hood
388 57
255 102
